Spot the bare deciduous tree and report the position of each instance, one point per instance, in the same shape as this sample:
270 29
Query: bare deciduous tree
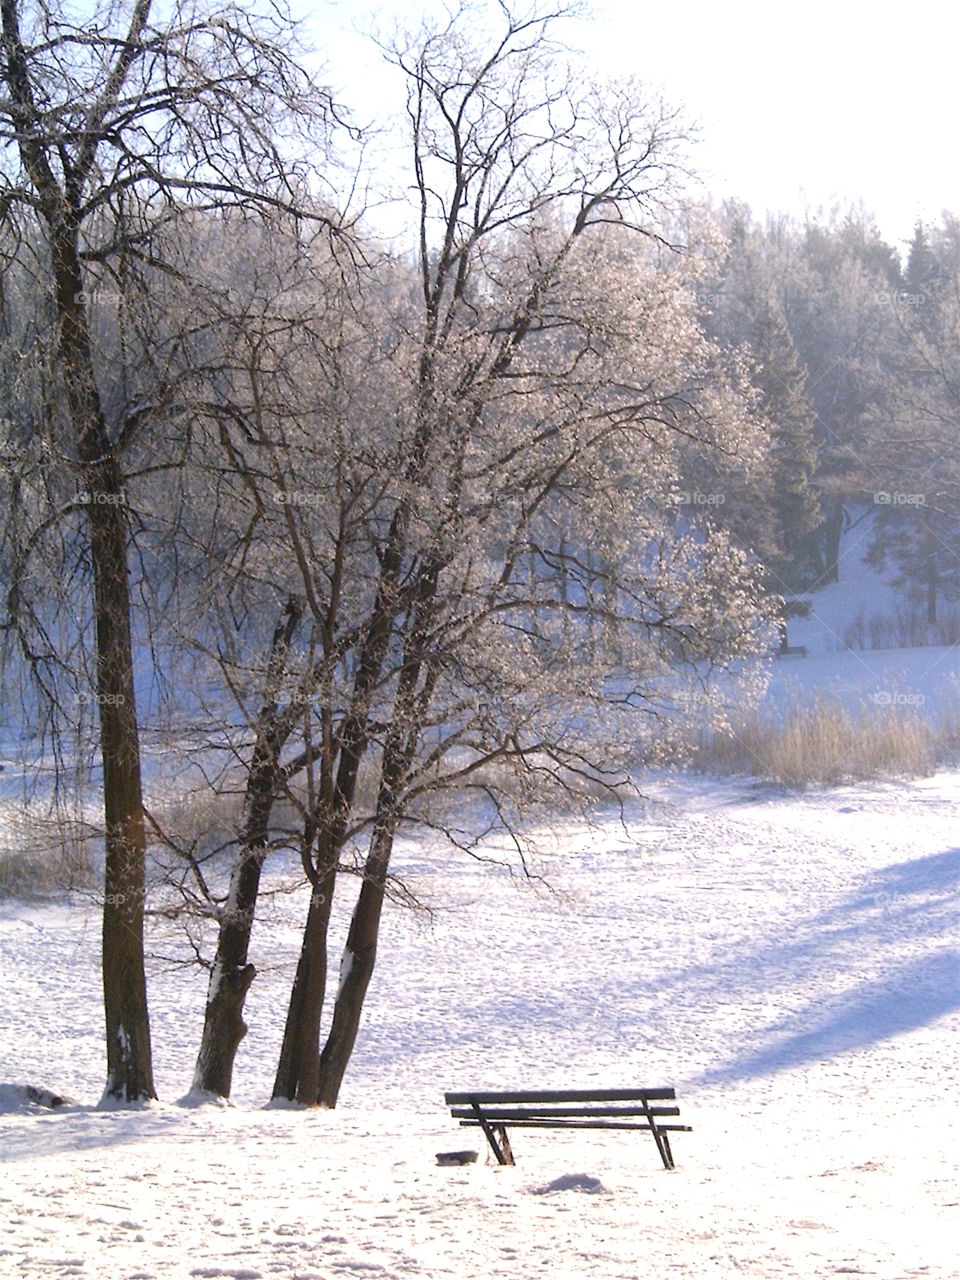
494 470
108 126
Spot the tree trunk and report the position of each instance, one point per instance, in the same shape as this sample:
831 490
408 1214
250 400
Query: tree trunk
400 743
223 1024
299 1063
298 1071
565 591
611 627
933 582
356 970
832 535
129 1055
591 607
304 1073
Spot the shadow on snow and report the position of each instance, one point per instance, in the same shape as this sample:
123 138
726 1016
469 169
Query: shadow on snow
913 901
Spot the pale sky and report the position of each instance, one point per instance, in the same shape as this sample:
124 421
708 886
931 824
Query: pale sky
800 107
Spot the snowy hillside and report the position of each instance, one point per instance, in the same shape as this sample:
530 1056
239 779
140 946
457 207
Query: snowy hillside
856 651
791 965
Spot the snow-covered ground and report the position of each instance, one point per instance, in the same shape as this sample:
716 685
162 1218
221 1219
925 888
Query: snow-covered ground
791 964
842 666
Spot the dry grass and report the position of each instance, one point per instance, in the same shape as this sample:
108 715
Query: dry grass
202 819
825 743
45 852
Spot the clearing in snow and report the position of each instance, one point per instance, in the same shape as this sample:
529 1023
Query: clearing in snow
790 964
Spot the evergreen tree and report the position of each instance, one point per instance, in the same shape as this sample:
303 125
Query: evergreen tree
793 448
922 269
916 443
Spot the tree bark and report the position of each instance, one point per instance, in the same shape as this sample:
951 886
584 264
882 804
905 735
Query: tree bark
129 1054
223 1024
933 580
359 958
299 1062
298 1071
360 953
832 536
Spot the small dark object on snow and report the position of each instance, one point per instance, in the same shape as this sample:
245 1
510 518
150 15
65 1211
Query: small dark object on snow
456 1157
43 1097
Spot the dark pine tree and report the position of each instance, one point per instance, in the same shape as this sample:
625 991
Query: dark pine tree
782 381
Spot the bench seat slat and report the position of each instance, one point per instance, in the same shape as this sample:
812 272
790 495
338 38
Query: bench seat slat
486 1098
504 1114
582 1124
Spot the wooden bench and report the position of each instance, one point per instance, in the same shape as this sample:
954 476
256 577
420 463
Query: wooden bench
568 1109
791 651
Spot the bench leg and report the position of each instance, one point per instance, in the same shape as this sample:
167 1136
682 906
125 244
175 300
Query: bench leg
505 1144
501 1148
663 1143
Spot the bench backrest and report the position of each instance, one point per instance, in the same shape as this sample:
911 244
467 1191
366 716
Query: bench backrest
519 1097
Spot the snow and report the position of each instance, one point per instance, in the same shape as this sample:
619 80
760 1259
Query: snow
922 680
346 968
925 679
790 963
